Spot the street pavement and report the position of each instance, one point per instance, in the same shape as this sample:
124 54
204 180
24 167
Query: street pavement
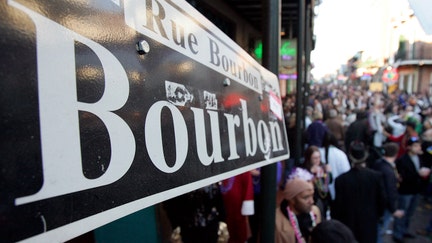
419 220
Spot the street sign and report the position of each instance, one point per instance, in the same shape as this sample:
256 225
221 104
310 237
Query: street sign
108 107
390 75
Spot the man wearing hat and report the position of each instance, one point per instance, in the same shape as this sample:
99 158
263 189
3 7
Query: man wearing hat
358 130
412 172
296 215
360 196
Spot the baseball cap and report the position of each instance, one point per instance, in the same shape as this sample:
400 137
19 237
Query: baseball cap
412 140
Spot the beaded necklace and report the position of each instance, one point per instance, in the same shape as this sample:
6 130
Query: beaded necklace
323 187
294 223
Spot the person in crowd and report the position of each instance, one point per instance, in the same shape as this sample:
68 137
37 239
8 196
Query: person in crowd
351 103
411 115
308 116
289 105
395 122
335 126
426 158
332 231
427 117
411 172
426 145
238 197
402 139
291 134
322 177
326 105
360 196
256 219
358 130
316 130
296 172
377 121
349 117
196 214
296 215
386 165
317 106
361 100
334 157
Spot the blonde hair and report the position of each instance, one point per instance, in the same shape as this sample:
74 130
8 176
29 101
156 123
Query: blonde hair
317 115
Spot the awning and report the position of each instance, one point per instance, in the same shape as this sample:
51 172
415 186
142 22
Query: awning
415 62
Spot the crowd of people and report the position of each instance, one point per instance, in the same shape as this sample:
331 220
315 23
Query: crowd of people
366 160
376 147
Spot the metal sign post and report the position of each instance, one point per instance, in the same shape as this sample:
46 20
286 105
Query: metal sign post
271 61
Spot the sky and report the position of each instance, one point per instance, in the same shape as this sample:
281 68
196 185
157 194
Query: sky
342 28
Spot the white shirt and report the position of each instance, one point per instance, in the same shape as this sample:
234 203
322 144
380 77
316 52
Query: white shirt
376 119
416 161
398 128
339 164
308 121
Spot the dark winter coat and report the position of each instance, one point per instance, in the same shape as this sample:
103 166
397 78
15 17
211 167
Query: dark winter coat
360 202
389 175
358 130
411 182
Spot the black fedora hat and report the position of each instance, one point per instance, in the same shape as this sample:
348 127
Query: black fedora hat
358 152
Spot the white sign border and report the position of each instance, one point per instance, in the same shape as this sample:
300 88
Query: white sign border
74 229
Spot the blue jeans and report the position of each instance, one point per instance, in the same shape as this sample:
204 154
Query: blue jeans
408 203
383 225
429 226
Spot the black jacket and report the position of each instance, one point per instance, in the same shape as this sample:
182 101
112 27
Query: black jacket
411 181
360 202
391 183
426 157
358 130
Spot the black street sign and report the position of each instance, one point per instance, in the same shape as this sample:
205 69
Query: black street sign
108 107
